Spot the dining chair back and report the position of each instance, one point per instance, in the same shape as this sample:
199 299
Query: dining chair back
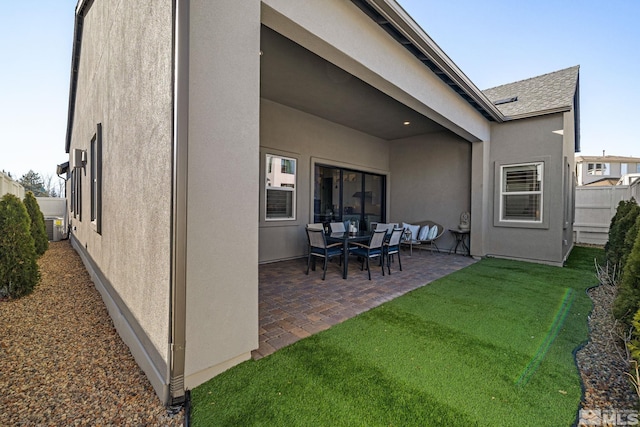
337 227
392 247
318 248
372 250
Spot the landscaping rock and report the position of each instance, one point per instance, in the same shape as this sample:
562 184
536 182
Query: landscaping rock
62 361
602 362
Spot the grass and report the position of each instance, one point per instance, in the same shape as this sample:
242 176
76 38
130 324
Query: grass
489 345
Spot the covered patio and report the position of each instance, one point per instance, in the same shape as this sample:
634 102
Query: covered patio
294 306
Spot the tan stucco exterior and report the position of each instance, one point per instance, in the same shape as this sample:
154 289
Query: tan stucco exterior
432 178
188 117
124 83
524 141
310 140
222 232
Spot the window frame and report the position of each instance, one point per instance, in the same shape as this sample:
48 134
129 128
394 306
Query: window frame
540 193
96 179
598 169
290 188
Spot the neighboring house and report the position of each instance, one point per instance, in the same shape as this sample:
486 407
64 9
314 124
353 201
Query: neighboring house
9 186
604 170
204 136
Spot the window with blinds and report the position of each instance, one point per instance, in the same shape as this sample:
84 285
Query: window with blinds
521 192
280 191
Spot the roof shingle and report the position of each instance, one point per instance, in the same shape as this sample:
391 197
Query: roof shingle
549 92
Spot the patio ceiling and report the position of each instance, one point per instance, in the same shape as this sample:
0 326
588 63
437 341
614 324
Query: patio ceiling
293 76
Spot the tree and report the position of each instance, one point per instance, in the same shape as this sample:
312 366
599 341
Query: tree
33 182
38 229
53 185
19 272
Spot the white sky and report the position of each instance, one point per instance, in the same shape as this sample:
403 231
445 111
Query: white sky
493 42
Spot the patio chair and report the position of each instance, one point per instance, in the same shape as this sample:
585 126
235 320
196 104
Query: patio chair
337 227
372 250
413 239
388 227
318 248
392 247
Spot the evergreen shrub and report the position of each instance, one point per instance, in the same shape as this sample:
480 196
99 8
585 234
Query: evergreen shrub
38 229
19 272
627 301
621 223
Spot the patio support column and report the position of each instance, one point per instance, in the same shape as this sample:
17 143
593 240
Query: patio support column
222 179
481 196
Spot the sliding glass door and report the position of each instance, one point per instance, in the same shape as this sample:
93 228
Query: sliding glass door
348 195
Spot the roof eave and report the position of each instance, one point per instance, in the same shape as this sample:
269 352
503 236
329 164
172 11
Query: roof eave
403 23
81 8
530 114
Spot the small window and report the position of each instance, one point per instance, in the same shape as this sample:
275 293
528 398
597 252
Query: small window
73 192
598 169
76 191
521 192
280 188
624 168
96 179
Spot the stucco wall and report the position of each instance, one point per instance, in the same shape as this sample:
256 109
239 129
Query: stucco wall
222 227
340 32
524 141
431 180
569 180
308 139
124 82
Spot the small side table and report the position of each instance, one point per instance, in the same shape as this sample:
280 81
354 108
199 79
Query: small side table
462 237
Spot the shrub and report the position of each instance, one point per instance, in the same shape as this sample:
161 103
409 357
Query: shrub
38 229
630 238
627 301
19 272
622 221
634 344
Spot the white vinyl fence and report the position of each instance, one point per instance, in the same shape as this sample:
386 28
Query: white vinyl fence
595 206
8 185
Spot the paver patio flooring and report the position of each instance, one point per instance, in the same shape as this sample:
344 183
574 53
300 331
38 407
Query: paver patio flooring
294 306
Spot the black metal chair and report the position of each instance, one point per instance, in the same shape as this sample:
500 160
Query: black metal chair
318 248
392 247
372 250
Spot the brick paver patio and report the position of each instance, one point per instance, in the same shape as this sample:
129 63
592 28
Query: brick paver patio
293 305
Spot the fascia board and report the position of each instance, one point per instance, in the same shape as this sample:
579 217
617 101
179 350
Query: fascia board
538 113
403 22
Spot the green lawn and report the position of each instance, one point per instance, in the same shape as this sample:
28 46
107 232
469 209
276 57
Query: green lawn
490 345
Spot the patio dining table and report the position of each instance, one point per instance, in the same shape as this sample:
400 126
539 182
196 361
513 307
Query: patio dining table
346 238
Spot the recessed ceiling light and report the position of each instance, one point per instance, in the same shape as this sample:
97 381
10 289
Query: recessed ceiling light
406 123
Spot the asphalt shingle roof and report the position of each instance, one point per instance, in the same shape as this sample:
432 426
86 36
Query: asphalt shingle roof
540 94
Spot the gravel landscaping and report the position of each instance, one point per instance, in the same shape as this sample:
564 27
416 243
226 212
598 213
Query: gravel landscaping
602 362
61 360
63 363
